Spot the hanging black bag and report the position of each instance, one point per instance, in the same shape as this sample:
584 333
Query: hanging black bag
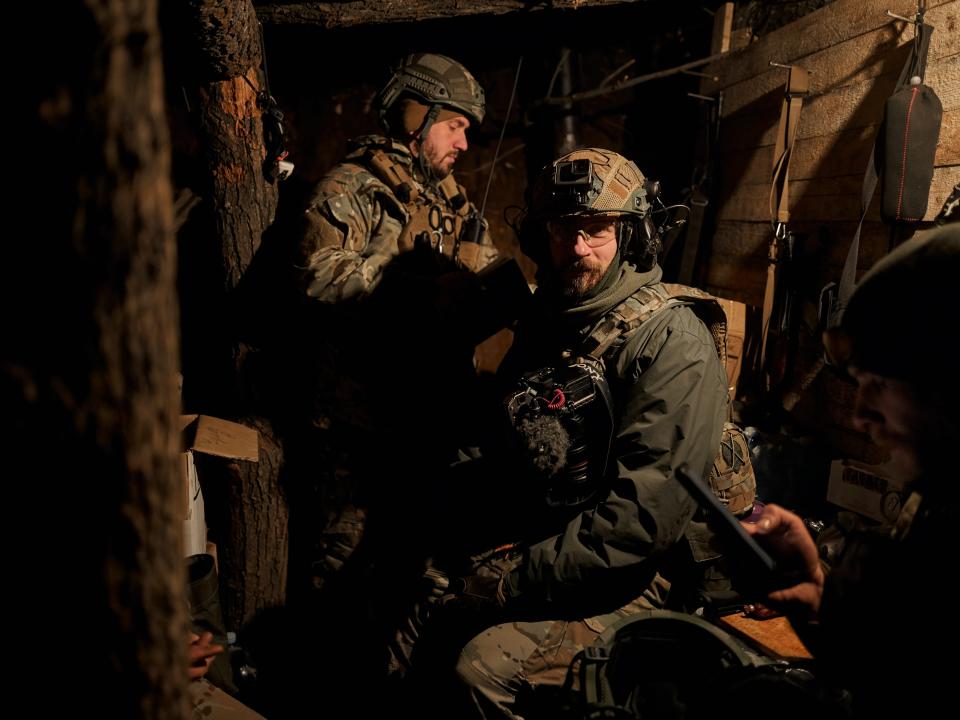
912 119
903 154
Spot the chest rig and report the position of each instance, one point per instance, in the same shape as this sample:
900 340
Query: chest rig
577 395
437 216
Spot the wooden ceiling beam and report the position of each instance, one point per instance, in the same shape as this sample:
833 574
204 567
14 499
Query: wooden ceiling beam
351 13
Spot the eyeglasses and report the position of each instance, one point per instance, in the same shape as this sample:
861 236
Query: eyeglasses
596 231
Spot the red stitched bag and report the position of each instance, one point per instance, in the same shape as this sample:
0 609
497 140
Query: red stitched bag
911 130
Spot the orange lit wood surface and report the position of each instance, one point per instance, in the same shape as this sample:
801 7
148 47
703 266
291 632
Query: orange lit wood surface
774 636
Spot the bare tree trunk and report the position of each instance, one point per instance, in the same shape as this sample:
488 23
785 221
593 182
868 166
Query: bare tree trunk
90 373
255 571
221 45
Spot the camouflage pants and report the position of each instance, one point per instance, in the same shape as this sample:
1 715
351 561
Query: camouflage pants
500 661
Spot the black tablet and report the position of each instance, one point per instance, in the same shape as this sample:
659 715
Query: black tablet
754 566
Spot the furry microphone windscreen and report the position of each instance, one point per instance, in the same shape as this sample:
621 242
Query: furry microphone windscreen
545 442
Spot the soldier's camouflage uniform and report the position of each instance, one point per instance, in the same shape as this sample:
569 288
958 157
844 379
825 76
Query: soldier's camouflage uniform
356 224
369 262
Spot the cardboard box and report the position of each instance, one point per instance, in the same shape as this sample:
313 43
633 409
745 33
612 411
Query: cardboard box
210 436
213 436
195 521
869 490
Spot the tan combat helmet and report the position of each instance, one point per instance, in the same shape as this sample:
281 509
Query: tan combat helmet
594 181
587 182
732 477
436 81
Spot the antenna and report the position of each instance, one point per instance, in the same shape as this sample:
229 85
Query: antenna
496 153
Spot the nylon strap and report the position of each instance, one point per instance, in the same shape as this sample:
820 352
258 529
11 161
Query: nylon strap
797 87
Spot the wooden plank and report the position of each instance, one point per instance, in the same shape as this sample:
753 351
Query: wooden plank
851 106
826 199
738 264
774 636
830 156
722 26
350 13
853 61
823 28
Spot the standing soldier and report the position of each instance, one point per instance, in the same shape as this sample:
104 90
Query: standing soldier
395 193
388 249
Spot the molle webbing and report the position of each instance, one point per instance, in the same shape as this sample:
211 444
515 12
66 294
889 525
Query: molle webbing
451 193
393 175
430 221
706 307
644 304
625 317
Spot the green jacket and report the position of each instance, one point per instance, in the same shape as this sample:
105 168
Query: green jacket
354 223
669 397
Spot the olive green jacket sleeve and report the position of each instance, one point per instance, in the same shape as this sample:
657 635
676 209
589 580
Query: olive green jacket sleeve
672 400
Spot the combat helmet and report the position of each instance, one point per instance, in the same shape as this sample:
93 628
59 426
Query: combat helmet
436 81
732 477
594 181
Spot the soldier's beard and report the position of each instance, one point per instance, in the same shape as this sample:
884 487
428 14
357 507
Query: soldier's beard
581 277
438 166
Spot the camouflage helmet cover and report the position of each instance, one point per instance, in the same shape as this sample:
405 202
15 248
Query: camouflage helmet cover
434 80
589 181
732 477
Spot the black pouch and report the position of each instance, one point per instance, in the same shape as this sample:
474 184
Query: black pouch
912 118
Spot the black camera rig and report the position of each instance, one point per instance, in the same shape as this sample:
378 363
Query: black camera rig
565 411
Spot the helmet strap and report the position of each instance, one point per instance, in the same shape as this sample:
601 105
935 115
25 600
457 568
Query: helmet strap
428 121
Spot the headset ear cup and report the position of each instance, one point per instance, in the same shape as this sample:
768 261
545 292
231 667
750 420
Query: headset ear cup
646 245
653 237
626 237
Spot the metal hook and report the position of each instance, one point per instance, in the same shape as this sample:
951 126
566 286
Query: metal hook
787 67
715 78
912 21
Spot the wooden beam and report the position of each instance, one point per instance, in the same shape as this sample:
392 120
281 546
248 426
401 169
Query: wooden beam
844 152
851 62
382 12
722 27
827 199
822 29
738 260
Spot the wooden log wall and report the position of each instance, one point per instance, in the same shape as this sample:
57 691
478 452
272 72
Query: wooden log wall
854 53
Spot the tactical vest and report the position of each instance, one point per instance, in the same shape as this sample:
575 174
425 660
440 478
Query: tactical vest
731 477
441 219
